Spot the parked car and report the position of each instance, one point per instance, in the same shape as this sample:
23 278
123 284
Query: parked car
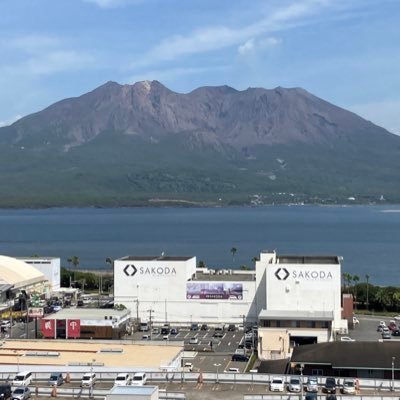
144 327
188 367
174 331
382 323
233 369
240 357
277 385
193 340
355 320
330 385
346 339
204 327
88 379
218 335
145 337
23 378
194 327
56 379
311 396
231 328
392 325
396 332
123 379
241 328
294 384
349 386
165 330
21 393
397 318
312 384
386 335
5 391
139 379
156 331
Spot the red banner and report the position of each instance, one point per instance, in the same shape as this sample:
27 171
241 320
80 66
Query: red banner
73 328
48 327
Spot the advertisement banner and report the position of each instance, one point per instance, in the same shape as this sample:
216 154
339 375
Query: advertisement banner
35 312
47 326
73 328
214 290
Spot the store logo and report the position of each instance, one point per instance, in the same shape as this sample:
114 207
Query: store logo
282 274
130 270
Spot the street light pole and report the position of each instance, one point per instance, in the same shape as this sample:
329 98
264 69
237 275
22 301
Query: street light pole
301 381
393 360
217 365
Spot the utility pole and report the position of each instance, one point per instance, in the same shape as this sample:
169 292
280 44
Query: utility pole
244 330
150 322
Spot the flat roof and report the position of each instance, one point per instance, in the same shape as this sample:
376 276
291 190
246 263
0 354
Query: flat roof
293 259
225 277
156 258
80 352
132 390
297 315
87 313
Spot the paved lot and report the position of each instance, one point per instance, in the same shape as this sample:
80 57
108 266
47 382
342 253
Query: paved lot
366 329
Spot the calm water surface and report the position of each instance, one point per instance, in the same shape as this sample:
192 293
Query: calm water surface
368 237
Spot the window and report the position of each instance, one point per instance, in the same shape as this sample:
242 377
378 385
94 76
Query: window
317 372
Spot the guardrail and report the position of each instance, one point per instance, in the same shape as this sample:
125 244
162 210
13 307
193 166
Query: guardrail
75 375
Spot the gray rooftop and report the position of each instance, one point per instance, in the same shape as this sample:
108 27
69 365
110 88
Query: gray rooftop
296 315
156 258
307 259
87 313
225 277
134 390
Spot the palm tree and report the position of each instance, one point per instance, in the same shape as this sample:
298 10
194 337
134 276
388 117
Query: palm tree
367 278
233 251
109 261
356 279
254 259
382 297
346 280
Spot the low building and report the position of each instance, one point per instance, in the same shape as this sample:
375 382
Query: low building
133 393
50 267
86 323
377 359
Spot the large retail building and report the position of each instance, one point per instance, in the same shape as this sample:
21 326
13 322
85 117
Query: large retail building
294 299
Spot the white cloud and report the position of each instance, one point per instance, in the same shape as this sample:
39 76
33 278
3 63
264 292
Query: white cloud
252 45
384 113
218 37
112 3
10 121
171 74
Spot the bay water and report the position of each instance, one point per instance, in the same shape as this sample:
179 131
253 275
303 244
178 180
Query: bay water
368 237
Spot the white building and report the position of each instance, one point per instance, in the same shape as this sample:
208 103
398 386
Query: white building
296 299
50 267
175 292
300 301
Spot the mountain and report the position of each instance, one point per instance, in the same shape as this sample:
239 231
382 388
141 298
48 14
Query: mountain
145 144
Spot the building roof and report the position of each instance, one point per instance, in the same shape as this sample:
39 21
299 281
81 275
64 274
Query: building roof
134 390
155 258
307 259
354 355
88 313
18 273
297 315
229 277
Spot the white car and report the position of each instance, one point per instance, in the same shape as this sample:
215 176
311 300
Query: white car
193 340
294 384
88 379
277 384
397 318
123 380
382 323
348 386
346 339
188 367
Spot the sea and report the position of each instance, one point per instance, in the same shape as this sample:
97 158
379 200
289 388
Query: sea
367 237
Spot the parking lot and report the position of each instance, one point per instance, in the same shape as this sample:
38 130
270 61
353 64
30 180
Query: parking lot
207 352
366 330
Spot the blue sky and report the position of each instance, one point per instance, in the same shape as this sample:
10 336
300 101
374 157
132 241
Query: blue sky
345 51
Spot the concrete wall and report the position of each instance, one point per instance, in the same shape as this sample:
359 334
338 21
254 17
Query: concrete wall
50 267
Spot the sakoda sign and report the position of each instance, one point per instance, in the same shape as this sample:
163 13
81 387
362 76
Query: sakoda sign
131 270
303 274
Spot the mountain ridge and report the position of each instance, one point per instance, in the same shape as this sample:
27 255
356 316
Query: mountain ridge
125 144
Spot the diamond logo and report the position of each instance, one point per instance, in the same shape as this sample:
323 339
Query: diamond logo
282 274
130 270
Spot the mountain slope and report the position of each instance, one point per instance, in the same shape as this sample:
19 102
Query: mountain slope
125 144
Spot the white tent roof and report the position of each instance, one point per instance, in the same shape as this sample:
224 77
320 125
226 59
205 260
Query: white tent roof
17 273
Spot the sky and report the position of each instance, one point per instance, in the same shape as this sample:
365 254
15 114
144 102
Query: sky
344 51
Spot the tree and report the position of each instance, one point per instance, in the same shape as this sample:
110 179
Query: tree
233 251
244 268
382 298
356 279
367 279
254 259
201 264
346 281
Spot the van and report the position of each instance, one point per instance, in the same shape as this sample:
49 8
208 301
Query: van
22 379
139 379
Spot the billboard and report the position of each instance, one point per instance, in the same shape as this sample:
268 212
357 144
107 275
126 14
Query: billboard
73 328
214 290
48 327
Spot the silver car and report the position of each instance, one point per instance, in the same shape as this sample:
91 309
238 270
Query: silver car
312 384
294 385
21 393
